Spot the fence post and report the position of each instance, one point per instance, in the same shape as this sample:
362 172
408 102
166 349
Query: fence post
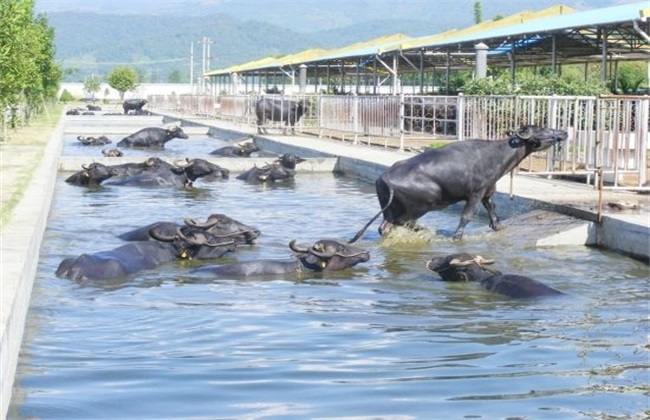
401 122
460 116
355 116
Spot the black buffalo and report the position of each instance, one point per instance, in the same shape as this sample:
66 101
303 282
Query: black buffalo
240 149
468 267
218 225
283 168
112 153
460 171
127 259
93 107
151 165
182 174
91 175
283 110
135 105
94 141
152 137
323 256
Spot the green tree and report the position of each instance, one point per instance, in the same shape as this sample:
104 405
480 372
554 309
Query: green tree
478 12
28 72
123 79
630 76
175 76
92 85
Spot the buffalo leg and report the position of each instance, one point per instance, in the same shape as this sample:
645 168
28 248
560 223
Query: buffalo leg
491 209
466 216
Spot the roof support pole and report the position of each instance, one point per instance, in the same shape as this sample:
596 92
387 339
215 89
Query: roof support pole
396 81
303 79
358 75
342 65
512 64
603 59
447 70
480 71
327 78
553 55
375 76
421 71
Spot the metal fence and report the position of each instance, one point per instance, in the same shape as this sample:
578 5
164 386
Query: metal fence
607 135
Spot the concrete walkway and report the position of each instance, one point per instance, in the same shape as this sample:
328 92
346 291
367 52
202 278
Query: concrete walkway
626 231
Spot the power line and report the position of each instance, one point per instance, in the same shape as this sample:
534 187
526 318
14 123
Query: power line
100 63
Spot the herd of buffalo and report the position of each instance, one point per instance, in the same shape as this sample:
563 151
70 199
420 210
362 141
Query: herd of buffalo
460 171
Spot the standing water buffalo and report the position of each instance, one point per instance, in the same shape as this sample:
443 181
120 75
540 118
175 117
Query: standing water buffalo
284 110
468 267
185 243
324 255
135 105
152 137
460 171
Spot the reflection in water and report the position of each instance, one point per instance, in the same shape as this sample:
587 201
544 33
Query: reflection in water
386 339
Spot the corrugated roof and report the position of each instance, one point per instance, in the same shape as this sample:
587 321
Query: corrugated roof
552 19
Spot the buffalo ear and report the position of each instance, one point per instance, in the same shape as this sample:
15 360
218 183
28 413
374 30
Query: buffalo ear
515 142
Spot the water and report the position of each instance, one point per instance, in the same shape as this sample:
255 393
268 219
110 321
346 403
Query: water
385 339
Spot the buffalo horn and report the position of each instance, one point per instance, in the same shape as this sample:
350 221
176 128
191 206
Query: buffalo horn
294 247
456 262
525 133
181 163
193 241
319 251
194 223
85 167
153 232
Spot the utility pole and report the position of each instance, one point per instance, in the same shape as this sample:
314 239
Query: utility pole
191 67
205 62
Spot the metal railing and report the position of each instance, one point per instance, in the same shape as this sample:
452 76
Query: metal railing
608 135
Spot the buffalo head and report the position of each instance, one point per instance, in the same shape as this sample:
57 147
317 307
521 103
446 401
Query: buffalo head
191 242
459 267
329 255
535 137
224 227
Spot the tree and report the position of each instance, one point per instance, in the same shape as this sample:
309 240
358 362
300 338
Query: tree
92 85
175 76
28 72
478 12
122 79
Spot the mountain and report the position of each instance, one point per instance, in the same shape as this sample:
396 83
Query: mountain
155 37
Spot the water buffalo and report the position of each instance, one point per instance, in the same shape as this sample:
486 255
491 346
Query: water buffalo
135 105
94 141
112 153
218 225
91 175
468 267
240 149
324 255
185 243
152 164
284 110
152 137
182 174
460 171
283 168
93 107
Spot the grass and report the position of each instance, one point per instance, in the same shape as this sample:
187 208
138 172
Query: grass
20 153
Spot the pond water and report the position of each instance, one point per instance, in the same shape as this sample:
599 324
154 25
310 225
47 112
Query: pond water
385 339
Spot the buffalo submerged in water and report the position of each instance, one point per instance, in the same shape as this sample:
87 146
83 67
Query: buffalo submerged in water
461 171
474 268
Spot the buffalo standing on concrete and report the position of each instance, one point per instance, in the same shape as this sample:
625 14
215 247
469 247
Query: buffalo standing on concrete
94 141
325 255
283 168
93 107
182 174
218 225
468 267
91 175
185 243
460 171
135 105
152 137
284 110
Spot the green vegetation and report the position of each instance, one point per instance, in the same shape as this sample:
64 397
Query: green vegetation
92 85
29 76
66 96
123 79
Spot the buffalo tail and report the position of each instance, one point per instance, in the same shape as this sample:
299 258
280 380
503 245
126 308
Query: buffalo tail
363 229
